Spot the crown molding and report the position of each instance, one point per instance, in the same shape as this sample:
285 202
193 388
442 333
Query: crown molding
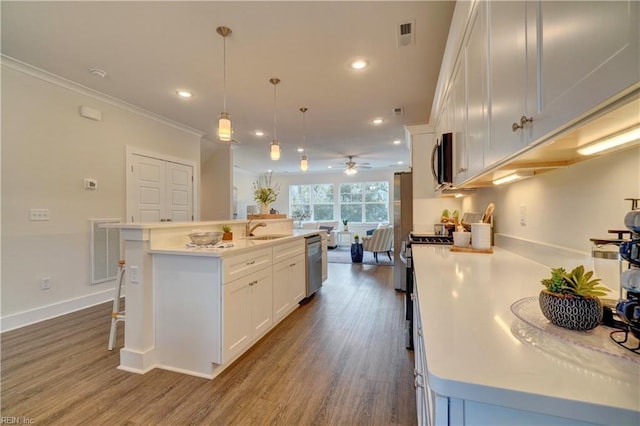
23 67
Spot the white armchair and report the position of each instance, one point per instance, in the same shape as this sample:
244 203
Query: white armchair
379 242
327 226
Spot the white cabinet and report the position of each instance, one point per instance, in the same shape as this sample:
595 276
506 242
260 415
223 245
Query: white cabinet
520 72
247 300
247 311
476 87
468 99
458 117
588 52
288 286
512 82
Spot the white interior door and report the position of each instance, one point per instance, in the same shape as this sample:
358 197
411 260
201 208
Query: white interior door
179 192
159 190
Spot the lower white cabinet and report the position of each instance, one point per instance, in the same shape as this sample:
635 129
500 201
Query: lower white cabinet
247 311
288 286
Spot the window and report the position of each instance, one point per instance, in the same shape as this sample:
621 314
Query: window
357 202
364 202
315 200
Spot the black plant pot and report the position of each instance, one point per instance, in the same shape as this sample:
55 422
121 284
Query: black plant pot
356 253
572 312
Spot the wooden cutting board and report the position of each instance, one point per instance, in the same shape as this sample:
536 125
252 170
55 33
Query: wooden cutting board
471 250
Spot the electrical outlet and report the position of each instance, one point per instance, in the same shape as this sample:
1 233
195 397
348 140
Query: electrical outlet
135 279
523 215
45 283
38 214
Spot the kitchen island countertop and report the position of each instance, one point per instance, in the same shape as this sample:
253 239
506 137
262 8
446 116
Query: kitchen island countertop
472 352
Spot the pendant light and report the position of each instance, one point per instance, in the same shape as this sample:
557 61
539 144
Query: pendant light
224 120
304 163
275 146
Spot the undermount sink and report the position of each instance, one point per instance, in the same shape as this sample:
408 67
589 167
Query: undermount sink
268 237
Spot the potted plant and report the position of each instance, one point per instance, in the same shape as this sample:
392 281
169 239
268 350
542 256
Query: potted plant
570 299
265 193
227 234
345 222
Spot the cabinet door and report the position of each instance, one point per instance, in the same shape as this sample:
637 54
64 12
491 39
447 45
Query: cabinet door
237 318
511 93
261 302
588 53
281 293
459 121
476 85
298 280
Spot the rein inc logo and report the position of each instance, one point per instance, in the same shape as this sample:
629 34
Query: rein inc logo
15 420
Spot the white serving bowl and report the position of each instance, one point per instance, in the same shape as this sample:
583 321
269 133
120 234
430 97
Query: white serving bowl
205 238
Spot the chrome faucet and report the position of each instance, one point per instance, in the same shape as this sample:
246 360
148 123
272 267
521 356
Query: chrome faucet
249 231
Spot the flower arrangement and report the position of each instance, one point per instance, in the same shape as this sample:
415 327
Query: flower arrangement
264 191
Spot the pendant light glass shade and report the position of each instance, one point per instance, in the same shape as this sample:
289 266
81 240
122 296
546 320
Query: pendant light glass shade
224 127
275 146
275 150
224 120
351 171
304 164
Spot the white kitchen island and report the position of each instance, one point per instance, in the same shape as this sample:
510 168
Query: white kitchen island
484 366
195 310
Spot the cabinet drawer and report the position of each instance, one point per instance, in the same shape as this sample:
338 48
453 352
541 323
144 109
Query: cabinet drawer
288 250
235 267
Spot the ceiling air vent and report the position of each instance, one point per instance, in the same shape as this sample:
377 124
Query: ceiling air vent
406 33
398 111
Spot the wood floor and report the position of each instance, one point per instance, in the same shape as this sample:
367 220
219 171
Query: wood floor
337 360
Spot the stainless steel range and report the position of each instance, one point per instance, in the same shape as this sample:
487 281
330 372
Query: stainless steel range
406 256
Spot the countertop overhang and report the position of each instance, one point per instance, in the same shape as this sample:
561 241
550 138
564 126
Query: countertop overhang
472 354
240 245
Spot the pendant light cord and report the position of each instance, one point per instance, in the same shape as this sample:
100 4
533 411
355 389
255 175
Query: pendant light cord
224 73
275 114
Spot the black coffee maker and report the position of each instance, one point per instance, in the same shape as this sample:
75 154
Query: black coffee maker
628 309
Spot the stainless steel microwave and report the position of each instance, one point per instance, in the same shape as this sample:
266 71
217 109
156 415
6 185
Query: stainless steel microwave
442 161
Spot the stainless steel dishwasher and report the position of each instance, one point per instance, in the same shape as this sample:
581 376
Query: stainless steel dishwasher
314 263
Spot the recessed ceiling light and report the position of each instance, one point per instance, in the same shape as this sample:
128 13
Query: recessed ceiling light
300 149
400 162
184 93
359 64
397 142
330 167
259 133
377 121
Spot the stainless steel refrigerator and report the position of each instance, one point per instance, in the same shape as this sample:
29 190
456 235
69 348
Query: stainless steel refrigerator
402 223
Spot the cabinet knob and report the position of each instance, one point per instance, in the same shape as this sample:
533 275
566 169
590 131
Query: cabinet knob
253 282
523 122
251 263
461 170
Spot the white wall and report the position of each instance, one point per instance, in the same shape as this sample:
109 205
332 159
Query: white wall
47 151
216 177
566 207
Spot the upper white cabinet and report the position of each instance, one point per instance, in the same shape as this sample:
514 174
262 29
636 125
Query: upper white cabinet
477 95
512 82
526 70
587 51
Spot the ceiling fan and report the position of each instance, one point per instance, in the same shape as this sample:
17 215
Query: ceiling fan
351 167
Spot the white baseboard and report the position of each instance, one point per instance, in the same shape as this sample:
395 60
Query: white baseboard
32 316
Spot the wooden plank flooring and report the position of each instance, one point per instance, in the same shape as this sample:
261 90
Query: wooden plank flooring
337 360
